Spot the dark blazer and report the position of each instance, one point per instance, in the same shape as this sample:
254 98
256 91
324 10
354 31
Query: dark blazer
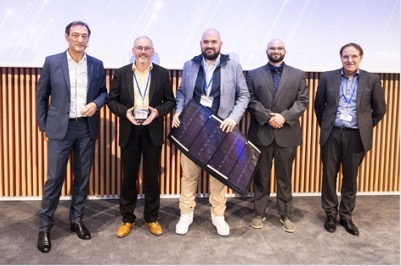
291 101
54 83
121 98
371 105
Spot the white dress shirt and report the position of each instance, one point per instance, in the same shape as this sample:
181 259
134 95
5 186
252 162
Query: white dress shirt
78 85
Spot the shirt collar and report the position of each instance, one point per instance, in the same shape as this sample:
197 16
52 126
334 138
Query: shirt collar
280 67
69 58
342 73
135 69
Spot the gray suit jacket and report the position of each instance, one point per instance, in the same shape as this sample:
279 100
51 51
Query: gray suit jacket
371 105
291 101
234 94
54 84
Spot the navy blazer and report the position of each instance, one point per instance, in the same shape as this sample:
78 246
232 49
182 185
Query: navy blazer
54 84
370 104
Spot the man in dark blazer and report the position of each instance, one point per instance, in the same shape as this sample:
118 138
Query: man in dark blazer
278 98
349 103
141 95
75 84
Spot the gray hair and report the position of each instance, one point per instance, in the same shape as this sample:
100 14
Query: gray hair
144 37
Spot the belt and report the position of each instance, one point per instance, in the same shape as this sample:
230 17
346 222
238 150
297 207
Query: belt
345 128
78 119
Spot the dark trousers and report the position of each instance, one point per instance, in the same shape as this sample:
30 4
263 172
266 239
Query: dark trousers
78 139
140 144
343 147
283 158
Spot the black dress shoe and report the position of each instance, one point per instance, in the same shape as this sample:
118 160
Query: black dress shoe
81 230
44 244
330 224
350 227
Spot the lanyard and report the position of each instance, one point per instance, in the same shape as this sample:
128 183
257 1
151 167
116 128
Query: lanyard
348 100
139 89
206 86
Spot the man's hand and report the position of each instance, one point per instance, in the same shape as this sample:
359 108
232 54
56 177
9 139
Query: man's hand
131 117
153 114
276 121
89 110
176 120
228 125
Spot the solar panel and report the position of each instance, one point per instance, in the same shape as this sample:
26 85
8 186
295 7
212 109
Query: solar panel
229 157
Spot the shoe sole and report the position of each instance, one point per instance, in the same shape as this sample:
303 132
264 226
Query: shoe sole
122 236
256 226
220 234
181 233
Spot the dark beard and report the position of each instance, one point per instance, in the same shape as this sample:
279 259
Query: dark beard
211 56
274 60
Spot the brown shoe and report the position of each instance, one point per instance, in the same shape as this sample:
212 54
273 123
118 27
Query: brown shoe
124 229
155 228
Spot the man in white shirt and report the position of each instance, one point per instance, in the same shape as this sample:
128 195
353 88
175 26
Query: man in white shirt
75 85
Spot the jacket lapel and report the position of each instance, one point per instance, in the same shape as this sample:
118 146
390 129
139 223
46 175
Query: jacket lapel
266 74
283 79
337 86
129 79
153 78
66 73
90 70
361 85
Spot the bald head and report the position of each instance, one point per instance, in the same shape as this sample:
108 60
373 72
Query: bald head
211 33
276 43
210 45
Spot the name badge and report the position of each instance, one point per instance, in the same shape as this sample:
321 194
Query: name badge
346 117
206 101
141 114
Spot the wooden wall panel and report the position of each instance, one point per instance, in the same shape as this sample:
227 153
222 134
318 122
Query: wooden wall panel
23 155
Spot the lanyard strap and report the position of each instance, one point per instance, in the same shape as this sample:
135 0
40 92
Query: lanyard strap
139 88
206 85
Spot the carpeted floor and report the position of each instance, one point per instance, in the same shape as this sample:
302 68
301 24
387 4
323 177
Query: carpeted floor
377 217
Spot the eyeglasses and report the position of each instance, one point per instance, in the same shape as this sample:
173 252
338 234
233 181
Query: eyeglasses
140 48
280 49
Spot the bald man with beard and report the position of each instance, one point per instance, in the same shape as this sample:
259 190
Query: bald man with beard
218 83
279 96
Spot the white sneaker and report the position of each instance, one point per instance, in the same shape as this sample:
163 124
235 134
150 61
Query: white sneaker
222 227
183 224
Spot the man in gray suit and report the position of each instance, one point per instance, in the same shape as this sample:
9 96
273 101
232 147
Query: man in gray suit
75 84
349 103
279 96
217 82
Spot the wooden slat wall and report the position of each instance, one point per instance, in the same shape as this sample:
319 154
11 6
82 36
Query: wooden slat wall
23 153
